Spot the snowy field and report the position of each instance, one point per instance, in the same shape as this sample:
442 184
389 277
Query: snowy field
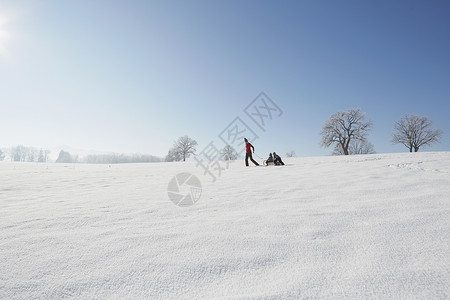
359 227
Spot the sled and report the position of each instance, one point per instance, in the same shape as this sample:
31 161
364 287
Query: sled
270 163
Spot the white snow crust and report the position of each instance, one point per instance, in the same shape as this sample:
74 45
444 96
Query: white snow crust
344 227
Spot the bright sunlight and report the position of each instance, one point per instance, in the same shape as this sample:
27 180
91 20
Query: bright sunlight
4 34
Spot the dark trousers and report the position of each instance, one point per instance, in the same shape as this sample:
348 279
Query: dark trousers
278 161
247 155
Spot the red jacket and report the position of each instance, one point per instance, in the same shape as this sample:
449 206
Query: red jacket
248 146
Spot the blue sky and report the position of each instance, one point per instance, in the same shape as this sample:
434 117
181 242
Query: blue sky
133 76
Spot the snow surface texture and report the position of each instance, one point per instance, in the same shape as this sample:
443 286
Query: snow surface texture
359 227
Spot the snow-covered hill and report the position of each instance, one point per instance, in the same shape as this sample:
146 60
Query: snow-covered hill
359 227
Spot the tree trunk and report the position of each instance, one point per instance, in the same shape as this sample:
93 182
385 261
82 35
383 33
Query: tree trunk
345 147
345 150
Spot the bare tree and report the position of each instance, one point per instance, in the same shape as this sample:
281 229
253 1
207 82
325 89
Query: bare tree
229 153
46 153
15 155
182 149
355 147
173 155
290 153
343 127
41 157
32 154
361 147
19 153
414 132
2 155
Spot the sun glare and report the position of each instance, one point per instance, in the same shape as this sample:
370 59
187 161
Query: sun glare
4 35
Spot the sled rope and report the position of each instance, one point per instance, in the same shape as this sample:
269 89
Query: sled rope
258 155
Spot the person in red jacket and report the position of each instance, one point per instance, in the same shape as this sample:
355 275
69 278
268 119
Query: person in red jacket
248 152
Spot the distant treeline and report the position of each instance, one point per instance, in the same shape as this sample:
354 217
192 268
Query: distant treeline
24 153
115 158
32 154
110 158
